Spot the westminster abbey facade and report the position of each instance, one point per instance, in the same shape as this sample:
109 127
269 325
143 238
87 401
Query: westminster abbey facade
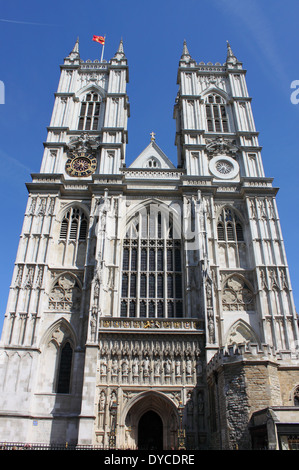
151 304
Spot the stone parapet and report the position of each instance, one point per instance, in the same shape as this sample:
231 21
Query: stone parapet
251 352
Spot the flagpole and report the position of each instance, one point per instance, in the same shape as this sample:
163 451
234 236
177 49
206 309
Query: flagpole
103 49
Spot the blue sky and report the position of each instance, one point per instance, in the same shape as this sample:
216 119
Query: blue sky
35 37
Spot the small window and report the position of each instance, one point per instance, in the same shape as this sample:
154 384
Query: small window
126 259
230 232
143 286
142 308
133 285
64 374
123 308
124 287
160 309
132 308
151 309
64 229
83 230
152 163
74 229
220 231
160 286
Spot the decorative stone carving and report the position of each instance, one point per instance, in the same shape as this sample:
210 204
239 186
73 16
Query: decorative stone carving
221 146
65 294
237 295
241 333
83 142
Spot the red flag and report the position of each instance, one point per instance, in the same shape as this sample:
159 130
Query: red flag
99 39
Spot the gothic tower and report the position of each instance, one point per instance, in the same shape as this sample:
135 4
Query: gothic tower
148 301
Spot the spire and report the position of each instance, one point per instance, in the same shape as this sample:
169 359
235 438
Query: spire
74 54
76 46
120 54
185 56
231 58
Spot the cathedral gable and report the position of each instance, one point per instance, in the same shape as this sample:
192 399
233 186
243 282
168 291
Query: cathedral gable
152 158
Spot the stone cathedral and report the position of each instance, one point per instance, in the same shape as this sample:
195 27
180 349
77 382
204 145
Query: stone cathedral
151 305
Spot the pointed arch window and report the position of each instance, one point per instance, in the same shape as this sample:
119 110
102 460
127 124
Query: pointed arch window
90 112
65 367
74 225
152 268
73 236
216 114
229 227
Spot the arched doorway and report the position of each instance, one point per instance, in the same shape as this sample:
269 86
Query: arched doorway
150 431
149 417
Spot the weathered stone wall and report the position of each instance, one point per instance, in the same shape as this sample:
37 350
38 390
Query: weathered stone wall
231 408
289 380
243 381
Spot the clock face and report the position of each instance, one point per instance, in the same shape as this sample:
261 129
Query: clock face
80 164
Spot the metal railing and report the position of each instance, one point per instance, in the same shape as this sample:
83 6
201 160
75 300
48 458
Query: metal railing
41 446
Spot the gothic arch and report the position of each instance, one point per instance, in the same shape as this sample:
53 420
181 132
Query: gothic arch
63 274
165 209
237 293
67 207
158 403
236 211
241 333
65 293
148 400
240 277
90 88
218 91
59 332
153 236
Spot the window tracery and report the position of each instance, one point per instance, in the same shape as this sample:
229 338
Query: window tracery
237 294
74 225
229 226
216 115
73 237
152 281
65 294
90 112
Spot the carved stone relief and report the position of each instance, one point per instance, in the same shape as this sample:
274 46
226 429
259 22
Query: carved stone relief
154 362
237 295
65 294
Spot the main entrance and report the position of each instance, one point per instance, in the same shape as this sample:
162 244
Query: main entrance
150 423
150 432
